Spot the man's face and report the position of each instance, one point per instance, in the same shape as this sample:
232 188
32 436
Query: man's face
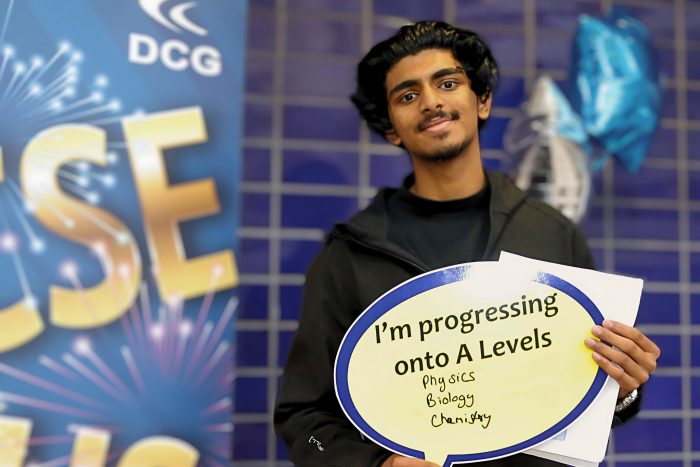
432 108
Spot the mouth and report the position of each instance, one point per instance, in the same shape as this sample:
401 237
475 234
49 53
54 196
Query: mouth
437 123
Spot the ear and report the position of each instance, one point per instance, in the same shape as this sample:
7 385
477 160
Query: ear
483 103
392 137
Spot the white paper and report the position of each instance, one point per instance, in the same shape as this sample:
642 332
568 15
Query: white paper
617 297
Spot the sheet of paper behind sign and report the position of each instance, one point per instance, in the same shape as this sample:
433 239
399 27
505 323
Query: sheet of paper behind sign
617 298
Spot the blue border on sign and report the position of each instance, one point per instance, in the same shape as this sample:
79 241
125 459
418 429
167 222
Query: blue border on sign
420 285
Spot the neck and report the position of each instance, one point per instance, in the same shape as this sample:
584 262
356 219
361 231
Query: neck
458 178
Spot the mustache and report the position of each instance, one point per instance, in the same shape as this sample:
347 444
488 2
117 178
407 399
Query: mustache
436 115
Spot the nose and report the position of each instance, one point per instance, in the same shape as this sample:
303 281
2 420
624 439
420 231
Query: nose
431 99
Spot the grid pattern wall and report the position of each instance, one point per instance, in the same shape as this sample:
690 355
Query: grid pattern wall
309 162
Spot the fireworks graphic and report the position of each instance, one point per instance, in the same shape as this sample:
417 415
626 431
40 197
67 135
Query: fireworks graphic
36 94
185 361
164 369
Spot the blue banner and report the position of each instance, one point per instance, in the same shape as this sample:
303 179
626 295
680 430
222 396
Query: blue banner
120 129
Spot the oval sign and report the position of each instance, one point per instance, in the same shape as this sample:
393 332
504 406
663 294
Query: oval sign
469 363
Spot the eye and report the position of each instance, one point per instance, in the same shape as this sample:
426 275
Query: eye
408 97
449 84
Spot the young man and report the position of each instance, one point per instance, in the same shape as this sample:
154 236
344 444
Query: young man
427 89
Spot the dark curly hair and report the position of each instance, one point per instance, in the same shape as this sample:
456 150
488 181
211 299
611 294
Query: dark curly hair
466 46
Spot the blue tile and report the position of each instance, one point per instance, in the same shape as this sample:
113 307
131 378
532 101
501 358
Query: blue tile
695 351
253 302
670 349
259 74
509 49
663 393
252 348
316 211
563 16
646 183
649 265
492 164
694 184
552 54
692 20
642 223
326 167
296 255
308 33
665 58
290 301
668 104
593 222
473 14
510 92
695 267
597 183
253 256
655 463
255 209
693 65
380 33
412 9
321 123
261 29
317 77
693 105
491 135
696 439
694 144
659 19
663 144
694 220
258 120
376 138
599 258
659 308
314 6
251 395
285 342
695 392
642 435
250 441
695 309
256 165
389 170
282 452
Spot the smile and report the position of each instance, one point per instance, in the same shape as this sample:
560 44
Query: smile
436 125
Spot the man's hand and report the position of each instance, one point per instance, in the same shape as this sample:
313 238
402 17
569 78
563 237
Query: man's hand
624 353
400 461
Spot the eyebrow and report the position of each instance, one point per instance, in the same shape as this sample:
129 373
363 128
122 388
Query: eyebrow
438 74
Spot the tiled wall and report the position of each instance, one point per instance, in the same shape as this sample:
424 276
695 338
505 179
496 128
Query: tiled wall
308 162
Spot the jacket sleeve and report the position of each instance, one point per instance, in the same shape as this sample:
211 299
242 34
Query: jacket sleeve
307 415
583 258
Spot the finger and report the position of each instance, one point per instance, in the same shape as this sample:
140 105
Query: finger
401 461
626 382
628 346
624 363
633 334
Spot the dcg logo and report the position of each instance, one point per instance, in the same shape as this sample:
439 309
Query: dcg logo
176 55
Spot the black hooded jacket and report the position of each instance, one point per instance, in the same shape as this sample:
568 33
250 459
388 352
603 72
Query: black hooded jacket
356 266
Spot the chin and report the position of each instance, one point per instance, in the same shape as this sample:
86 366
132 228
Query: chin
445 153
